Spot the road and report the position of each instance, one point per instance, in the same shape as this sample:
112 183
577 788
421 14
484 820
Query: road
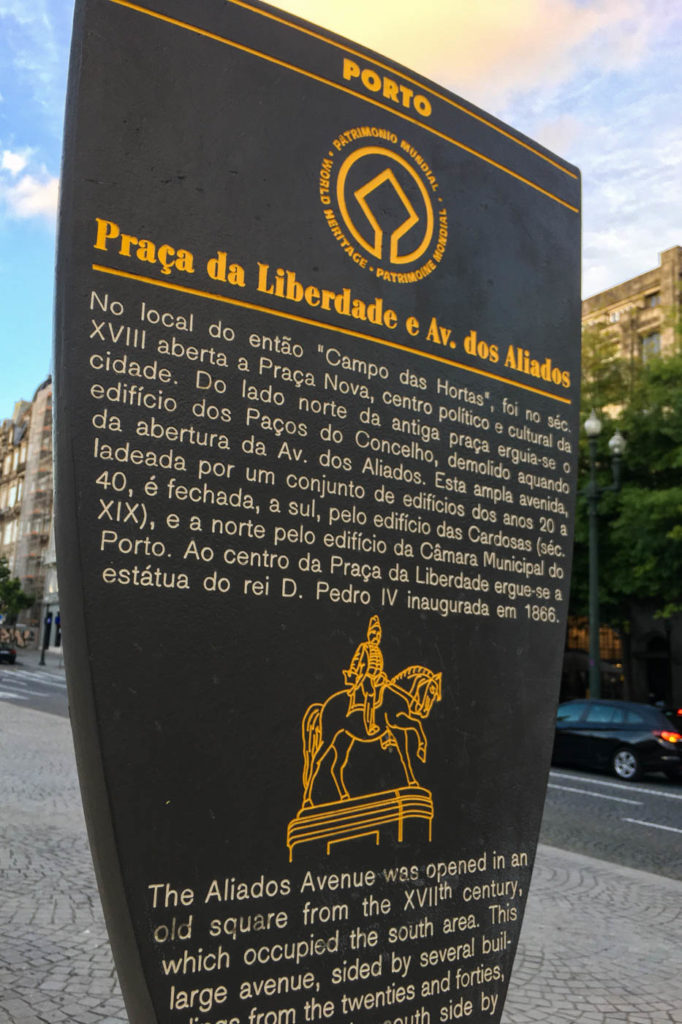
637 825
30 685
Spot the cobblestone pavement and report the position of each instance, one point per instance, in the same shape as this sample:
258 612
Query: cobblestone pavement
600 944
55 962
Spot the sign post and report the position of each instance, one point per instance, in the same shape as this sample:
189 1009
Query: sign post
317 364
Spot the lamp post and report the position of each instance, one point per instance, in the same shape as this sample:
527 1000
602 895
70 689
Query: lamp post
46 637
593 492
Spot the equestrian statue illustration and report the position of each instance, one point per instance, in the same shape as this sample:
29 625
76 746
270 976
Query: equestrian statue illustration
371 709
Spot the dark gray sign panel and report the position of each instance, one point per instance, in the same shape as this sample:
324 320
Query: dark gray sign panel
317 368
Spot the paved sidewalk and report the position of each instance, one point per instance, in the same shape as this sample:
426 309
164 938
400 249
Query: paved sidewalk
600 944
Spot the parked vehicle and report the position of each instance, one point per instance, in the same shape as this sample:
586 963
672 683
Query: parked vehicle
8 653
626 738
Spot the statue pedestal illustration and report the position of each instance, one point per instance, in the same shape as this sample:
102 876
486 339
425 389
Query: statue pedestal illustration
367 815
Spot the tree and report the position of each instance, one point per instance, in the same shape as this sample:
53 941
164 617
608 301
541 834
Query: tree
13 600
645 559
604 375
640 542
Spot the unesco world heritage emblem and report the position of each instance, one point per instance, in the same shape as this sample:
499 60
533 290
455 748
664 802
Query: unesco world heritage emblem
381 201
370 709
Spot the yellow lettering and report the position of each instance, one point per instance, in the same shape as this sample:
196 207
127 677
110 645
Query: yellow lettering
350 69
105 229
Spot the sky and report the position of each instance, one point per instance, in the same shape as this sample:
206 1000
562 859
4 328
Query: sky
596 81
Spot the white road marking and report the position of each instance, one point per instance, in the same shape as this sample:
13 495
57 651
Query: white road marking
56 684
652 824
27 673
630 786
599 796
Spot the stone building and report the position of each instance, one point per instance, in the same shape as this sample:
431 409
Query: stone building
26 494
640 314
13 456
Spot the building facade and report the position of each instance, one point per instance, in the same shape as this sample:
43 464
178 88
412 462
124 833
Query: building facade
13 456
26 487
640 315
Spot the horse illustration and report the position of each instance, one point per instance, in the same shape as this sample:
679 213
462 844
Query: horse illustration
400 705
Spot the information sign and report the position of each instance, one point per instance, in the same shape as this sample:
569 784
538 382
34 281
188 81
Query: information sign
317 365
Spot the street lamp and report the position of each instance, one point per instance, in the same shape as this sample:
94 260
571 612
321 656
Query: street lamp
593 492
46 638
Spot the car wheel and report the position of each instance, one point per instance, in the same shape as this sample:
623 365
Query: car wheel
626 765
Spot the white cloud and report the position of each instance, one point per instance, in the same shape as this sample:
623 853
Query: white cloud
559 133
29 195
488 52
625 229
31 45
14 162
633 199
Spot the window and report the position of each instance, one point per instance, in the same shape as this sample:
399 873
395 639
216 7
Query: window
614 316
10 534
652 300
651 345
569 714
603 714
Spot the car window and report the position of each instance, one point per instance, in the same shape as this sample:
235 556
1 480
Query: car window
635 718
569 713
604 714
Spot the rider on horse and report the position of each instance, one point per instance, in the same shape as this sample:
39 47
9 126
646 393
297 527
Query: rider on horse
366 677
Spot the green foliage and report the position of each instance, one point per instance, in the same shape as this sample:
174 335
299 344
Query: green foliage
652 422
13 600
604 375
646 547
640 527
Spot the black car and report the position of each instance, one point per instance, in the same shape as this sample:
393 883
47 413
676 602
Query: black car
621 736
7 653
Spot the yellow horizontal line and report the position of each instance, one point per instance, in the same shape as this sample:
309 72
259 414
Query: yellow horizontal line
408 78
342 88
325 326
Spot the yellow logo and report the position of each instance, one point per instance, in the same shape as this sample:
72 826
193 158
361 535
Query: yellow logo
381 202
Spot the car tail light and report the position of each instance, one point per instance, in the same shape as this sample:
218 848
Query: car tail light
669 737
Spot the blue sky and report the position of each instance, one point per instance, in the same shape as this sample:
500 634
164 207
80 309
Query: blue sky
597 81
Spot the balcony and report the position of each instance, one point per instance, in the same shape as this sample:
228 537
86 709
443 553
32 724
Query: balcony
648 319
